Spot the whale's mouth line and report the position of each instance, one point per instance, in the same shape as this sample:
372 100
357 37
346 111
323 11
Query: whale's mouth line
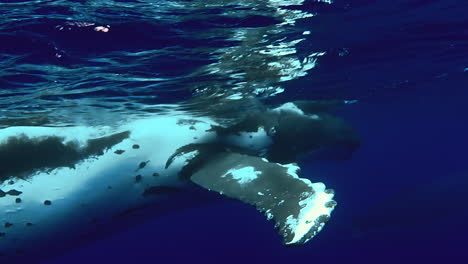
21 155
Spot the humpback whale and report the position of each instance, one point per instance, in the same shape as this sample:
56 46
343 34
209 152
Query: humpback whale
55 181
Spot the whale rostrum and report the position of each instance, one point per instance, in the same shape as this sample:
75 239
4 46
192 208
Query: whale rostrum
55 181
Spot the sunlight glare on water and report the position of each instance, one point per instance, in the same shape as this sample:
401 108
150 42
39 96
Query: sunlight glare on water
87 62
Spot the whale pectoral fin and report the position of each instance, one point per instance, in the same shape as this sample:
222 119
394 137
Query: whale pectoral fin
299 207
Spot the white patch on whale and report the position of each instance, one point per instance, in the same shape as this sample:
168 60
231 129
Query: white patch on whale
313 207
243 175
290 107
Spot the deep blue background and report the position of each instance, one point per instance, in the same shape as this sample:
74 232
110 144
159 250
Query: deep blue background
402 197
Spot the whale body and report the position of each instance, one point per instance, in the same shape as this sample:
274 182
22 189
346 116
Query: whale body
55 182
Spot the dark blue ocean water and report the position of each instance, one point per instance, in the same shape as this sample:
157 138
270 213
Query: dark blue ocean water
401 198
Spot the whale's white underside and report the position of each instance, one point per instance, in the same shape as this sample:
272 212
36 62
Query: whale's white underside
63 202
